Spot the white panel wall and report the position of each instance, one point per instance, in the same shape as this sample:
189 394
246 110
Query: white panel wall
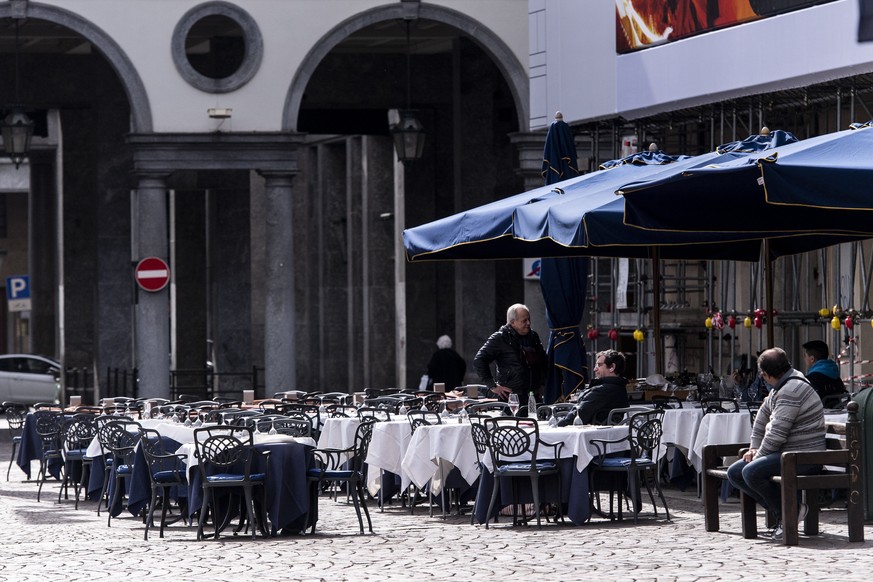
791 50
290 28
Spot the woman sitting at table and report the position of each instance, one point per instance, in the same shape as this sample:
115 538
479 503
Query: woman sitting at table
607 391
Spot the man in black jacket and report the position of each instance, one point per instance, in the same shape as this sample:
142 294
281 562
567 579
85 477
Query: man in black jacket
607 391
518 354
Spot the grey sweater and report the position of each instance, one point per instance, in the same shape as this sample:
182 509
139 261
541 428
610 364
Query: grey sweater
791 418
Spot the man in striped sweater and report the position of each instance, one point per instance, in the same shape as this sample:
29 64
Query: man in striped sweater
791 418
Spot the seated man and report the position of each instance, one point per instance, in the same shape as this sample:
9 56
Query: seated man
791 418
607 391
822 372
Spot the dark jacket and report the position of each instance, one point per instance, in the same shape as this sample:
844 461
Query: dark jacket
521 373
447 366
594 405
824 375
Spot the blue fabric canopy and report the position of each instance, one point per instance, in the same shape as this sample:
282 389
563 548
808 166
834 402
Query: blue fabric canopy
563 282
821 184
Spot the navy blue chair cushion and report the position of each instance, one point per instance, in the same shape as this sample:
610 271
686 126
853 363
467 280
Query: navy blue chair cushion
541 466
625 462
166 476
219 477
318 474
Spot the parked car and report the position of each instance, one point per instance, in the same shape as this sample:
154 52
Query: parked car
29 379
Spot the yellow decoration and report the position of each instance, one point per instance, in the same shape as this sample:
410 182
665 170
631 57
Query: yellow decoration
837 310
639 335
835 323
708 323
747 323
824 311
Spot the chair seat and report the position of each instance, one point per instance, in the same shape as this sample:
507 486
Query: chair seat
124 470
52 453
525 467
626 462
227 477
16 439
167 477
76 453
319 474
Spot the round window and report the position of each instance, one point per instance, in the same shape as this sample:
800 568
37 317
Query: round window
217 47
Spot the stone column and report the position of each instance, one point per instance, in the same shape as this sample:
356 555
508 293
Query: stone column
280 359
152 335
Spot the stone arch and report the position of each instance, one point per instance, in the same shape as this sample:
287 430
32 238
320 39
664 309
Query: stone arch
140 109
509 66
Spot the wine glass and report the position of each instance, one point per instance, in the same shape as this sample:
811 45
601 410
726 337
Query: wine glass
753 392
272 427
513 403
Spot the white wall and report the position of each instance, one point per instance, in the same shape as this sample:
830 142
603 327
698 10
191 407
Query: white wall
791 50
143 28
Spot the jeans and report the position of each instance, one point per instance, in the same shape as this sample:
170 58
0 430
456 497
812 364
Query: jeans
753 479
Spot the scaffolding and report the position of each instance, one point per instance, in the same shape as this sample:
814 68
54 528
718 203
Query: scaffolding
713 315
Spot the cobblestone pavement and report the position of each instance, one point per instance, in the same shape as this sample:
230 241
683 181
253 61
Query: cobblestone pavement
54 541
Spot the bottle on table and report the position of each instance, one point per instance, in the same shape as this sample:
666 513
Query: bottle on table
531 405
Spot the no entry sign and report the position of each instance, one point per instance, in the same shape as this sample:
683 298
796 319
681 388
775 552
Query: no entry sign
152 274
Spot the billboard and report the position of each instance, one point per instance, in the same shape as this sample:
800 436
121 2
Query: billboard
644 23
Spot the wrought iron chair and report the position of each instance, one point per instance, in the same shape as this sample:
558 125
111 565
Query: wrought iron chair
15 414
639 463
344 466
416 419
48 427
122 437
486 407
718 405
226 455
665 402
515 444
292 427
166 470
76 435
482 444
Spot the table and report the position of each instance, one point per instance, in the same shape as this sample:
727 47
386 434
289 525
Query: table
719 429
30 449
388 445
441 446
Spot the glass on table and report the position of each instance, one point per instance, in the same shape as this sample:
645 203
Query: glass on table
513 403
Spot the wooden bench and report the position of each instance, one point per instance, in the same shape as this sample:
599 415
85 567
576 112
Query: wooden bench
843 469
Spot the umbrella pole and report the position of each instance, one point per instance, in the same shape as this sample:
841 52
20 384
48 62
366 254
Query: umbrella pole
768 282
656 310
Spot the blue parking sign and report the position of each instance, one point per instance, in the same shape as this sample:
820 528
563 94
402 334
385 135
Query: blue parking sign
18 292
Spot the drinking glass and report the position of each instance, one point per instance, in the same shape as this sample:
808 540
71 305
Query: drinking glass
753 392
513 403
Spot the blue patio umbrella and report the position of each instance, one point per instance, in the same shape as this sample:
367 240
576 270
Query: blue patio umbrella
563 281
820 184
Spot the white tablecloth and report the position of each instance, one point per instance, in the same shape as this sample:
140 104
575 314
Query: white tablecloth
448 445
177 431
387 447
681 426
338 433
719 429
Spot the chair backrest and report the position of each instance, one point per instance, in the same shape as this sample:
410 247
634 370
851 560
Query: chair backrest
645 433
484 407
312 411
341 411
376 392
480 434
363 435
512 439
389 403
377 414
15 414
618 416
292 427
559 411
79 432
121 438
753 411
224 449
718 405
264 422
48 428
665 402
88 408
419 418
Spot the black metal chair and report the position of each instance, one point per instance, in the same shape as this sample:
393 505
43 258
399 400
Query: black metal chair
292 427
122 437
482 444
76 435
225 459
639 463
377 414
166 470
341 411
344 466
515 444
753 407
48 428
416 419
15 413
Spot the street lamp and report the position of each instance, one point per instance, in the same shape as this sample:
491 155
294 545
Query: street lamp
17 127
406 129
